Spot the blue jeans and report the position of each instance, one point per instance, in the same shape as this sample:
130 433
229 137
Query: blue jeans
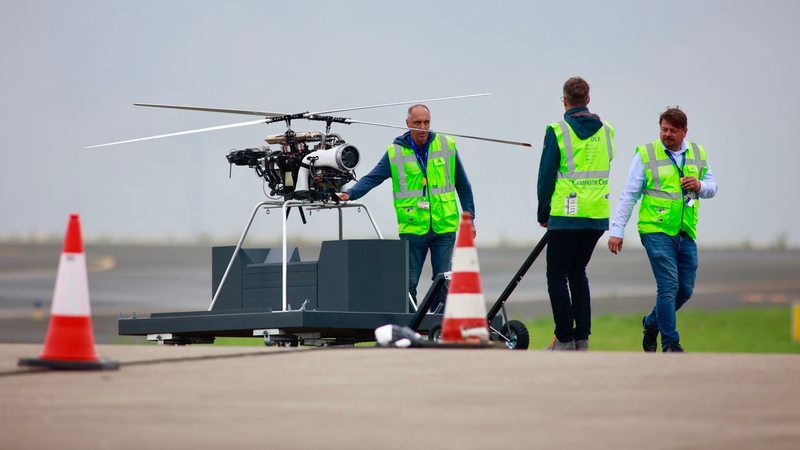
674 263
441 247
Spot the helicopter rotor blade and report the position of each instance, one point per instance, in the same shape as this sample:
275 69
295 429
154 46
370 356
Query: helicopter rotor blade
220 110
480 138
397 103
276 114
180 133
270 117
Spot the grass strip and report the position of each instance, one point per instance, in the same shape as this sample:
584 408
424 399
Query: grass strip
742 330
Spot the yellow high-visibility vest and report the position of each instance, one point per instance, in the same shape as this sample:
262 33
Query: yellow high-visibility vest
419 201
582 182
664 206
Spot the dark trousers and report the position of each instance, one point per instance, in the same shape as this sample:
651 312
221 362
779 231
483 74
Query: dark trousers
568 254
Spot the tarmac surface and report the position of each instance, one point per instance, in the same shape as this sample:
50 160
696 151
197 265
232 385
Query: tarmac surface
206 396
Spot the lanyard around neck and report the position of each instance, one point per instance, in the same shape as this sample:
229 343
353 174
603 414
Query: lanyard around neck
422 160
680 168
672 158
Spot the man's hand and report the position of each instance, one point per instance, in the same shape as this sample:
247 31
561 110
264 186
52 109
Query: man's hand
615 244
344 196
543 224
690 183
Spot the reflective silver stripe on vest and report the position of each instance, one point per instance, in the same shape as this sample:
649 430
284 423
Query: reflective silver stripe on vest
399 160
608 142
662 194
446 154
653 164
697 160
408 194
569 154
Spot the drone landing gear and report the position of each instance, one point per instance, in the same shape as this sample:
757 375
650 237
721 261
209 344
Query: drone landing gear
300 209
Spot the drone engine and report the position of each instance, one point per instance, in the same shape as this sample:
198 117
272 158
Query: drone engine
308 166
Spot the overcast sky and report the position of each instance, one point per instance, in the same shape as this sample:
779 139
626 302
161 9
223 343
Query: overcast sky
71 71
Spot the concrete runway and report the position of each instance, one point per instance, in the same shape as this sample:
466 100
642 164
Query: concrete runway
204 397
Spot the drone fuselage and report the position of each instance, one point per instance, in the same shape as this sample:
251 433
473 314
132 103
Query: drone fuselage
307 165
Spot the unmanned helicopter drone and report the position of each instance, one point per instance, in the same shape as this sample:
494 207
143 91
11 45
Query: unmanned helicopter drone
306 165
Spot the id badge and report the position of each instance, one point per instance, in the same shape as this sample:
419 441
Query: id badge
689 201
571 204
423 205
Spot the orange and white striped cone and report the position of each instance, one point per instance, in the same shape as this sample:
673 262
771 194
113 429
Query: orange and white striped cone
69 343
465 310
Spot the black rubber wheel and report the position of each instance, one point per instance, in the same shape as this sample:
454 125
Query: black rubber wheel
516 335
435 333
288 343
281 342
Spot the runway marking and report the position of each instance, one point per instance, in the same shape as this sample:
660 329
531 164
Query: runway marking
23 263
768 297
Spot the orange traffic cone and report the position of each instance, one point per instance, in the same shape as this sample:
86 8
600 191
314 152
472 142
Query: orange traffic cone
465 310
69 343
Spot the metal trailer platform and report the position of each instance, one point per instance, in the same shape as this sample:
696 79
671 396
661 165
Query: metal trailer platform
286 328
355 287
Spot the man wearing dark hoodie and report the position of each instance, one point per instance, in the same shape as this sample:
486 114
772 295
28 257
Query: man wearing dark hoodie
426 174
574 207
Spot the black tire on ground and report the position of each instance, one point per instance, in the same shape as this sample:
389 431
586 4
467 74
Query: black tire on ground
435 333
517 335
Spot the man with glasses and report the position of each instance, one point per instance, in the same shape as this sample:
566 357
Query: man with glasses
574 207
670 176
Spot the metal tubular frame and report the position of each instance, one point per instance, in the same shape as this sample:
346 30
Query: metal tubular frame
285 205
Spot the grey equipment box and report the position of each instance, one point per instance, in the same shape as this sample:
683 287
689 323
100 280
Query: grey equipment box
355 287
369 275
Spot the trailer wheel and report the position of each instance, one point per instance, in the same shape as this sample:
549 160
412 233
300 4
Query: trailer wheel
517 335
280 341
435 333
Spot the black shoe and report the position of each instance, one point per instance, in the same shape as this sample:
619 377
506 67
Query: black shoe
675 347
650 340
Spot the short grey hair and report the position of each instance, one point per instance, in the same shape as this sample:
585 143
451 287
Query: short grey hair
418 105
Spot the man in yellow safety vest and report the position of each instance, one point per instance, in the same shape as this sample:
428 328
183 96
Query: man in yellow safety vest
670 176
574 207
426 174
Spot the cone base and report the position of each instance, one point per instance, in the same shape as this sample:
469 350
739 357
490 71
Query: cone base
453 329
61 364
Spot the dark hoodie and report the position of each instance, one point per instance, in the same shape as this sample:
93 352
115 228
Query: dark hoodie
383 170
584 124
